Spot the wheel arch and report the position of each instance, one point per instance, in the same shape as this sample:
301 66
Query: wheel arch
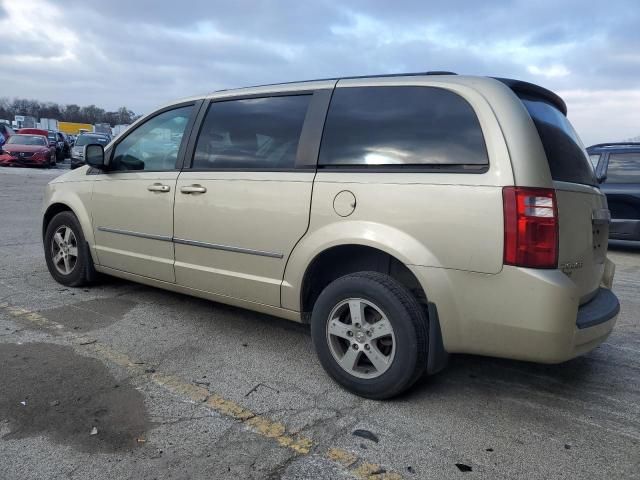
51 211
339 260
395 243
74 204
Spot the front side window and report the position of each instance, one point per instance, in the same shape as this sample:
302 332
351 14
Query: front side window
401 126
623 168
155 144
255 133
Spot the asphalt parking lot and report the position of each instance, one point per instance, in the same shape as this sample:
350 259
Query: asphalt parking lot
126 381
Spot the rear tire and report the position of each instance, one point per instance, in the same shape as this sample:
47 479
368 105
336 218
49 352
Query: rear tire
370 334
67 252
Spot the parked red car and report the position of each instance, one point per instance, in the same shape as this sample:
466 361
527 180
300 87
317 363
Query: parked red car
27 150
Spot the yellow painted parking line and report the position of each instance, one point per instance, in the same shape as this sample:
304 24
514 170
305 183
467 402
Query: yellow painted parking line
344 458
33 317
362 470
373 471
258 424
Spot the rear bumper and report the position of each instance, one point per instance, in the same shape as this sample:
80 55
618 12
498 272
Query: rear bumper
602 308
519 313
621 229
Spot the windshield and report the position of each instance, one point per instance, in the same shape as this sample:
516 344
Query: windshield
87 139
567 157
26 140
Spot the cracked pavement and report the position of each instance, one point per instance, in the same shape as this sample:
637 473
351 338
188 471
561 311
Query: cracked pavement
182 388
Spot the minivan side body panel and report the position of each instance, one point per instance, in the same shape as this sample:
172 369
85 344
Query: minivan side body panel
432 219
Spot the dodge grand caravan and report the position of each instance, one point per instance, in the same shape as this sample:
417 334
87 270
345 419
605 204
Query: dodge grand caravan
404 217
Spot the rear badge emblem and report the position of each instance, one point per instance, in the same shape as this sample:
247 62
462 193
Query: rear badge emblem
568 267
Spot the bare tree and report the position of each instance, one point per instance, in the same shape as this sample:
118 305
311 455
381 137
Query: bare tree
68 113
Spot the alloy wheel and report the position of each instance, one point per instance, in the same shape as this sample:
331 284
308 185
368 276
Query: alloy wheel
64 250
361 338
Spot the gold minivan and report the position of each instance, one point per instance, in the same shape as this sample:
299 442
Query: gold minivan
405 217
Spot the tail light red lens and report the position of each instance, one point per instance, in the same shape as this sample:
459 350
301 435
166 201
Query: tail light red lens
530 227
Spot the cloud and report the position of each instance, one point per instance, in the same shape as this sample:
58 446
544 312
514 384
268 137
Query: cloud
604 115
146 52
550 72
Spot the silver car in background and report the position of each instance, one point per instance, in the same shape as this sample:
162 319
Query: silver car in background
77 151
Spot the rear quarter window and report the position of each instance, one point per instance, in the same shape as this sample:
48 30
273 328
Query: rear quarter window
567 157
401 127
624 168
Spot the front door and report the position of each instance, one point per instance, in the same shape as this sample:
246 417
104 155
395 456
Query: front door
244 203
132 202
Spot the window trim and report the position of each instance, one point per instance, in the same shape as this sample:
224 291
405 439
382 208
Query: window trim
470 168
308 141
196 104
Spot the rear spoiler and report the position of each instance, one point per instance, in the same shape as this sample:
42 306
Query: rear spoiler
525 88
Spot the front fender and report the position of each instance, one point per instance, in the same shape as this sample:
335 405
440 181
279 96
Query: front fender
388 239
76 196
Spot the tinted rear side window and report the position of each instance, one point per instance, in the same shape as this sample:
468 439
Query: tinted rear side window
256 133
623 168
567 157
401 126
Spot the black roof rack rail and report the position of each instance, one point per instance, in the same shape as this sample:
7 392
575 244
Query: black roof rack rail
382 75
615 144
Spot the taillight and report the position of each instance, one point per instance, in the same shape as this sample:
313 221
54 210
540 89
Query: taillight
530 227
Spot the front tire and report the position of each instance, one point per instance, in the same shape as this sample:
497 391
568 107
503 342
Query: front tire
370 334
67 252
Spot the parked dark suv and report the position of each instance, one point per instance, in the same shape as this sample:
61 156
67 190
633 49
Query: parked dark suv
618 168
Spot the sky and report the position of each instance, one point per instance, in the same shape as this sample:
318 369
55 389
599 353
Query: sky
144 53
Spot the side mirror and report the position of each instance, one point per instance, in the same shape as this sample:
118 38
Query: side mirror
94 156
601 177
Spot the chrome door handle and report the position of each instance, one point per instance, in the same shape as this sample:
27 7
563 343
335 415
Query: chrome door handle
158 187
193 189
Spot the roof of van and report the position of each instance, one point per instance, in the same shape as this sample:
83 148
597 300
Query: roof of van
519 87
